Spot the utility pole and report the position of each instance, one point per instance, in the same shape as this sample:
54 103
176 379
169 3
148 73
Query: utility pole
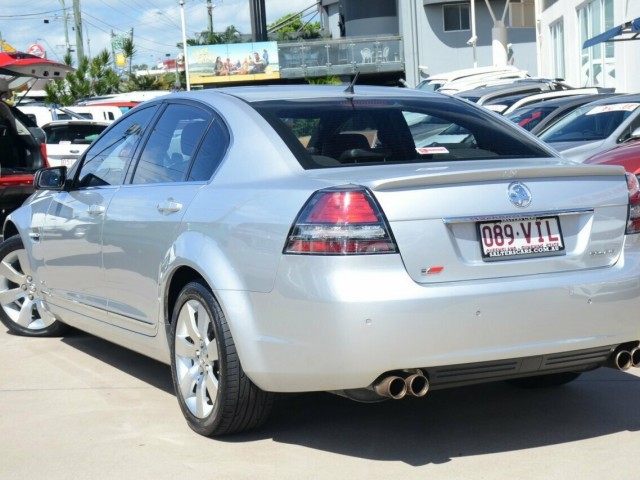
67 46
210 16
78 25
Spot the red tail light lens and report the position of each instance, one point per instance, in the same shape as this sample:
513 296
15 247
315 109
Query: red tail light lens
633 219
43 152
341 222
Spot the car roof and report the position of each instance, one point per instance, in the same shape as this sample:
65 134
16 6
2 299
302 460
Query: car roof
570 100
553 94
56 123
626 98
287 92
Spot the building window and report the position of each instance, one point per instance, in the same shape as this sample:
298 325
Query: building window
557 45
456 17
597 63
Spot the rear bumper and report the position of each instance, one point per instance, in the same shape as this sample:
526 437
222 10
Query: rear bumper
338 323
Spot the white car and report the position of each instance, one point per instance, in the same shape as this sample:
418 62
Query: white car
68 139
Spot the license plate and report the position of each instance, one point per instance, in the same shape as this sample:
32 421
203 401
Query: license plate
518 238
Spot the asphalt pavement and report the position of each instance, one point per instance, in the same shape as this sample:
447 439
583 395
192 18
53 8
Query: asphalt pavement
81 408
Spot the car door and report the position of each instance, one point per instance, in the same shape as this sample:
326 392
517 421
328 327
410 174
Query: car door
71 233
144 216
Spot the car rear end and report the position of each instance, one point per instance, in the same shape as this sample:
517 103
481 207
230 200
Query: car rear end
486 259
22 153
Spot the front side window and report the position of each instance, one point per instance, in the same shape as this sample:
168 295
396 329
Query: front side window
106 161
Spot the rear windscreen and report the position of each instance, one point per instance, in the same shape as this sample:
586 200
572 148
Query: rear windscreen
346 132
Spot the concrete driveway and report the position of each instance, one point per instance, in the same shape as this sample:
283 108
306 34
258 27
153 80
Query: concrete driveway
81 408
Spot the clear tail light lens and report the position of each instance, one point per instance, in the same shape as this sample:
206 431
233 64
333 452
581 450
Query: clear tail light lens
341 222
633 219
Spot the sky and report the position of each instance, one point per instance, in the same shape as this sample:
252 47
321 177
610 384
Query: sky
156 25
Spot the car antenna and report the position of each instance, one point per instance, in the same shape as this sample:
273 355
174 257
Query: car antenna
349 89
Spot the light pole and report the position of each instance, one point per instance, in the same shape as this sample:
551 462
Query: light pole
184 45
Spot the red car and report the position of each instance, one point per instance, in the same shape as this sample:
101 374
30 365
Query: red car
627 155
22 142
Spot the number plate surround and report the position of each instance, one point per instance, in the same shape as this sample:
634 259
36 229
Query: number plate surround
518 238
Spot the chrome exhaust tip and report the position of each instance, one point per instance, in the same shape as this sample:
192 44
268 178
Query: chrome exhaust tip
622 360
391 387
417 384
635 357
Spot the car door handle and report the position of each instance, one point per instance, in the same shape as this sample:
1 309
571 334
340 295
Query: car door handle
95 210
169 206
74 151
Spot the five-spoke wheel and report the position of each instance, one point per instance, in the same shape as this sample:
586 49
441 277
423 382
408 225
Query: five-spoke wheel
215 395
21 307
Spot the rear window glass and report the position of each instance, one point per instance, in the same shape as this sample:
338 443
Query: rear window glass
349 132
76 134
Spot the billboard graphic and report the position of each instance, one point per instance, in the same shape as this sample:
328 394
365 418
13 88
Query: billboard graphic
233 62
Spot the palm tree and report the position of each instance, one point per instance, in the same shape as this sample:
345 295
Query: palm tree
129 50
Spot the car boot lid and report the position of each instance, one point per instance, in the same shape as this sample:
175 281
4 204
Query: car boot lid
19 68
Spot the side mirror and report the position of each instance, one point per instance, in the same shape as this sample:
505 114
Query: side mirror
53 178
635 134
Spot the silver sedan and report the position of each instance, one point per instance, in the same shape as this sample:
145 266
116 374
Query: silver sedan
292 239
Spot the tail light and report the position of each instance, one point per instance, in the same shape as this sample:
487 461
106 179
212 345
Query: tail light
341 222
43 152
633 219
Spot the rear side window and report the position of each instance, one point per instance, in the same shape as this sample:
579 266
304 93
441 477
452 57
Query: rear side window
172 144
351 132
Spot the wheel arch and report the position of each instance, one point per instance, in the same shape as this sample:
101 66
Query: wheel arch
180 277
9 230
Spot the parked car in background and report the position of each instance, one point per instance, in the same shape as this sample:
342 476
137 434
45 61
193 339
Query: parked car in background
595 127
460 79
343 257
68 139
500 97
626 155
538 116
123 101
22 147
42 114
546 96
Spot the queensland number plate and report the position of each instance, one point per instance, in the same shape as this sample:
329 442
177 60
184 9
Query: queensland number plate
518 238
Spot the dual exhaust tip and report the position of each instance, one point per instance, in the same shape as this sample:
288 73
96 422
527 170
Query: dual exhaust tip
624 359
414 384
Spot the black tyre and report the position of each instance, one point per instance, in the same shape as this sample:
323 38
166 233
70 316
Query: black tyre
21 308
545 381
215 395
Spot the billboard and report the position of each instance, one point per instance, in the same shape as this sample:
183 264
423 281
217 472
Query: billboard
233 62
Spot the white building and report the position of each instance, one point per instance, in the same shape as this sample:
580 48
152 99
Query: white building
564 25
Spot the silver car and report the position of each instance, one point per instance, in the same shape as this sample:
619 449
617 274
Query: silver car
595 127
292 239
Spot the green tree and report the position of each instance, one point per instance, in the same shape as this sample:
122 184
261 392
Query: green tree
136 83
92 77
292 27
129 50
230 35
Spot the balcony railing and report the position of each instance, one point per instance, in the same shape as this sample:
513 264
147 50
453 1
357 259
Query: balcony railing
340 57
